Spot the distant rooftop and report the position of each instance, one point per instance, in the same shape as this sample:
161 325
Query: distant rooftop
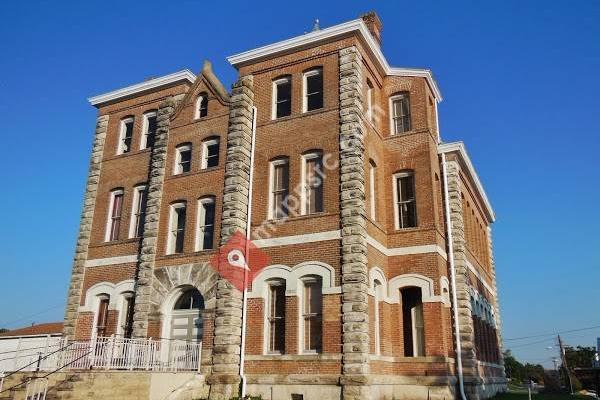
48 328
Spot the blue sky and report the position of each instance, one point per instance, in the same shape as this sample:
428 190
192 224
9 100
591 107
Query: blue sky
520 81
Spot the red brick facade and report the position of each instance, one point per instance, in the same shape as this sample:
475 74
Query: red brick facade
398 259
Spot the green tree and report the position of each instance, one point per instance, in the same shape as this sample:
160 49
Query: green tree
579 357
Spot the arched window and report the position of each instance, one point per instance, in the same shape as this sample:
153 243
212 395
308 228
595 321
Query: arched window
378 288
369 100
102 315
210 152
282 97
373 189
183 159
312 183
276 316
205 223
405 207
148 130
126 315
201 105
125 136
412 321
279 185
312 314
177 217
115 208
191 299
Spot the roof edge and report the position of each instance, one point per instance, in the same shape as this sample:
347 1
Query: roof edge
359 25
460 149
184 74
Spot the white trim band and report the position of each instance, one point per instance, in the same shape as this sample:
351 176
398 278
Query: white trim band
98 262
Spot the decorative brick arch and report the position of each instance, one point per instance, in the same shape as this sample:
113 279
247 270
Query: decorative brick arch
168 280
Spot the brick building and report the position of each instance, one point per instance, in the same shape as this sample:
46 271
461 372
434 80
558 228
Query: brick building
351 191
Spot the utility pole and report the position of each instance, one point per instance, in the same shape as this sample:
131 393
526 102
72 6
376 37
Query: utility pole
564 361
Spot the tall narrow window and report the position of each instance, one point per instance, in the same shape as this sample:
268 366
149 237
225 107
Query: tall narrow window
206 224
125 136
412 322
312 310
373 189
102 316
115 208
377 322
404 195
282 97
138 211
400 113
183 159
279 188
210 153
313 89
313 183
149 130
276 317
175 240
369 101
201 105
128 305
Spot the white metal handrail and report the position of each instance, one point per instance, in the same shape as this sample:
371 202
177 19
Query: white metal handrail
116 353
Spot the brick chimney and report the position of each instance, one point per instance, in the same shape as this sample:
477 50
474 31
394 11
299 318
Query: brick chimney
374 24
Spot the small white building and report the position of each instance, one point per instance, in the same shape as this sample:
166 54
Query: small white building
21 348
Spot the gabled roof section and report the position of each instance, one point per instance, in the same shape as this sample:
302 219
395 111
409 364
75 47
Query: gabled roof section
316 37
206 75
459 149
138 88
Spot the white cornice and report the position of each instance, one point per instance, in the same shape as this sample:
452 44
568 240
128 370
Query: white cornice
142 87
315 37
459 148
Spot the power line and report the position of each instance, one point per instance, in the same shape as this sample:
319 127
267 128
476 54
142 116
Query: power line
32 315
554 333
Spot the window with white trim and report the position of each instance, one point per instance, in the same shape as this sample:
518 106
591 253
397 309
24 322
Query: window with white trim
312 314
413 322
201 105
276 317
148 130
405 206
127 314
312 182
183 159
400 113
313 90
115 209
279 188
377 286
210 153
369 100
372 189
102 315
125 136
177 216
282 97
138 211
206 224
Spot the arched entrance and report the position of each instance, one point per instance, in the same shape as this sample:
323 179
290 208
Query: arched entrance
186 316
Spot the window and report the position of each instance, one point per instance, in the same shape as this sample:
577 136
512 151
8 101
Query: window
279 189
369 100
176 228
191 299
312 178
400 113
405 209
183 159
125 136
138 211
210 153
115 208
102 316
312 314
149 130
282 97
412 322
201 105
313 90
377 299
128 307
206 224
276 317
372 189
